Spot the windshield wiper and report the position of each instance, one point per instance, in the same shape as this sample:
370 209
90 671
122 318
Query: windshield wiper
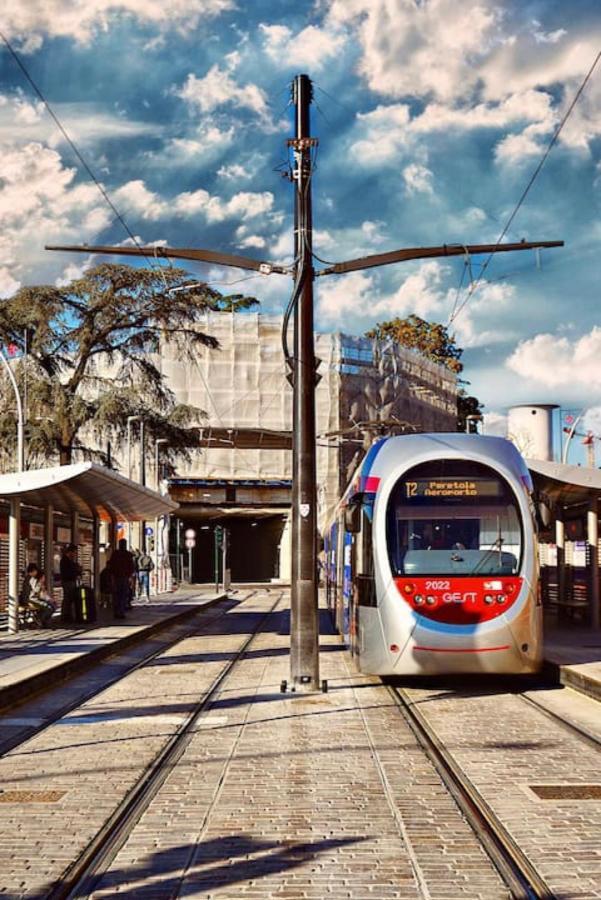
497 544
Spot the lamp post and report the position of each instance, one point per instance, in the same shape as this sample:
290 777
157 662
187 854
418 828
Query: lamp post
14 518
158 538
130 419
571 433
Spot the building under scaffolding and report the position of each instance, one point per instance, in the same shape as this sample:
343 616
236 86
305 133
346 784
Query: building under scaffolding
240 477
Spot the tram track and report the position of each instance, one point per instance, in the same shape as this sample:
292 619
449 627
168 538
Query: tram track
82 877
519 875
568 725
184 630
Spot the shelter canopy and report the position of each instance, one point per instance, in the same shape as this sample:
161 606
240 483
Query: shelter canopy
88 489
563 484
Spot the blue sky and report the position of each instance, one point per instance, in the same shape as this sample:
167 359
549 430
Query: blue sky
431 117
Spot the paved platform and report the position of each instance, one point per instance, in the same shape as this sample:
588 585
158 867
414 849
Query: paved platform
30 658
573 657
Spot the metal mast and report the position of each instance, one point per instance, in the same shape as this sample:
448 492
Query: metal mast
304 631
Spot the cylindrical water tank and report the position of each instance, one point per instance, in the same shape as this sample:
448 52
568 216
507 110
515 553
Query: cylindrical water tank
530 427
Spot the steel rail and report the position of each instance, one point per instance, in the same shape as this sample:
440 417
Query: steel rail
82 877
516 870
567 724
18 740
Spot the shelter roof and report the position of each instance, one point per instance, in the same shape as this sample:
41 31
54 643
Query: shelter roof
88 489
565 484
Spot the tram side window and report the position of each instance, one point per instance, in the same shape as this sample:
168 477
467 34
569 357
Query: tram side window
366 561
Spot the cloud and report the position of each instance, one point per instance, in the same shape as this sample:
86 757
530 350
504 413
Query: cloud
312 47
234 171
30 21
403 44
360 295
135 197
484 318
86 123
387 133
40 202
252 240
218 89
555 361
494 423
418 179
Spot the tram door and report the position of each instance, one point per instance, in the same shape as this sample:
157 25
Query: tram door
362 600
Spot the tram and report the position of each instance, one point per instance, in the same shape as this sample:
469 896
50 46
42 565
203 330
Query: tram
431 560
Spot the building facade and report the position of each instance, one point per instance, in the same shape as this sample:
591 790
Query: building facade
240 477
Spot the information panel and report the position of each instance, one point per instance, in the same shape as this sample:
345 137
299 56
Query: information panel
451 488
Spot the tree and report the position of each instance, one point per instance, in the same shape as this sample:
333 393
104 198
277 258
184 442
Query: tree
92 359
434 341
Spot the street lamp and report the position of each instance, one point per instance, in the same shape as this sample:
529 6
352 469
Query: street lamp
130 419
158 536
570 432
14 519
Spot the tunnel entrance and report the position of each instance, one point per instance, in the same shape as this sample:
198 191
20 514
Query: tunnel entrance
253 547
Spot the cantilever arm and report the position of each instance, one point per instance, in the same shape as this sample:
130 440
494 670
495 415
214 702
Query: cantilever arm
407 253
210 256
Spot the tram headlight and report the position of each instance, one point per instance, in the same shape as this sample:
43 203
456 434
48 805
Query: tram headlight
430 600
501 598
488 599
418 600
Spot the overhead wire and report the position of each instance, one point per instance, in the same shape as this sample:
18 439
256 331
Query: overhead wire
72 144
551 144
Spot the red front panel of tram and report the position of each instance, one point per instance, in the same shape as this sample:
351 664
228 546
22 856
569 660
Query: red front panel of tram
460 601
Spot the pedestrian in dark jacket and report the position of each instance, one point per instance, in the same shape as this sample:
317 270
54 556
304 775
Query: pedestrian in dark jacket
70 574
145 567
121 566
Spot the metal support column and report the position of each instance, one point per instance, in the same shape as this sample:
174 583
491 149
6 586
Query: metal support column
75 528
592 521
49 548
304 630
96 555
560 543
14 536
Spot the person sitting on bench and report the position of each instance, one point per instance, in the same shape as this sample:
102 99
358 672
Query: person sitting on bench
34 596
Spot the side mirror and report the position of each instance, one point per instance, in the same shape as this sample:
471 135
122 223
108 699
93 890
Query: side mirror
352 518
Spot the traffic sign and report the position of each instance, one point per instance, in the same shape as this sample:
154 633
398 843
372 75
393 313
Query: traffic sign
190 543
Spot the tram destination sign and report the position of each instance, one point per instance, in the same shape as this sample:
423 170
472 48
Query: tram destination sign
449 488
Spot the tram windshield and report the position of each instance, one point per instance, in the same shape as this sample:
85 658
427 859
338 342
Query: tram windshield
453 517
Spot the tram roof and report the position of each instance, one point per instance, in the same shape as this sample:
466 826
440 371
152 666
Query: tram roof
88 489
563 483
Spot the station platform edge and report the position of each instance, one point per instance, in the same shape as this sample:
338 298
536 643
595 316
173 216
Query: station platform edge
572 656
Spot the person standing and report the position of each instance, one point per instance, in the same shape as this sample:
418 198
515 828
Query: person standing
121 567
145 567
70 574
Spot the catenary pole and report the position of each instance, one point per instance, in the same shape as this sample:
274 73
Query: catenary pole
304 634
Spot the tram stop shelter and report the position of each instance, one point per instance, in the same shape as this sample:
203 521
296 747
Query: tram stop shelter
568 497
73 492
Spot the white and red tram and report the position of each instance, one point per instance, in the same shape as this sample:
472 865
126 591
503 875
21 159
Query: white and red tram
431 561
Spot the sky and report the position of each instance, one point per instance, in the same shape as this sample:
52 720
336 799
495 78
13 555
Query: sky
431 117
